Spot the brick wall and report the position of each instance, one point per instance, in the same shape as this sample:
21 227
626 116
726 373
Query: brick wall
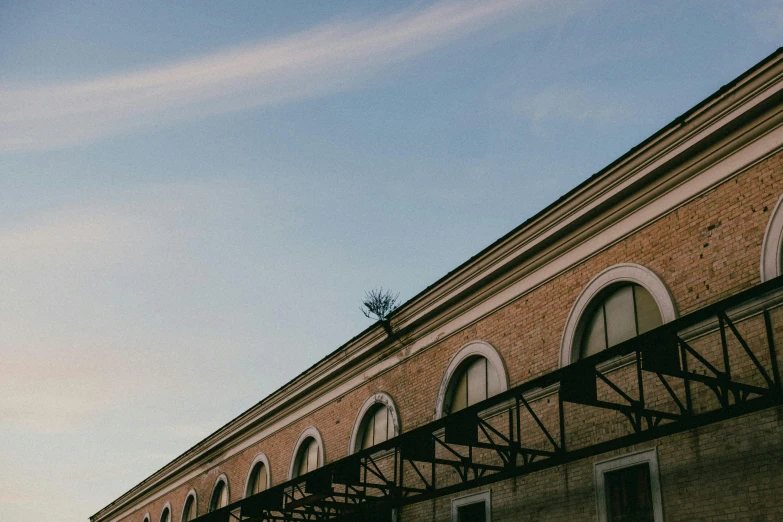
706 250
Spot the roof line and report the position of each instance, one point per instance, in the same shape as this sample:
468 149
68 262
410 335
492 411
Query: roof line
679 120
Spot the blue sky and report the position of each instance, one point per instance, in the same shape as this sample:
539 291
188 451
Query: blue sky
195 196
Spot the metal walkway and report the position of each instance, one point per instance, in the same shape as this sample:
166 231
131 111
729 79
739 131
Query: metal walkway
697 370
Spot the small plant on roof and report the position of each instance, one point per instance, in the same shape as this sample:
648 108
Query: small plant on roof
378 304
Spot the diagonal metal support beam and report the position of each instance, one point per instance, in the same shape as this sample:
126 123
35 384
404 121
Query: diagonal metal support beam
482 452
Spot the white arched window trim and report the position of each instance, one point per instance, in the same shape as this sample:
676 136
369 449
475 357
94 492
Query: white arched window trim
378 398
191 493
261 457
481 348
313 432
621 273
167 505
773 242
147 517
224 478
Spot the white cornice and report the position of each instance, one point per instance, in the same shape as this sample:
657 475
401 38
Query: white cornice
537 251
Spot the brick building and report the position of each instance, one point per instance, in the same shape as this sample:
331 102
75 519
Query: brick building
612 358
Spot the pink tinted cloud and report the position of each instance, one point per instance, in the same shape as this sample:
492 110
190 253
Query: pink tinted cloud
324 59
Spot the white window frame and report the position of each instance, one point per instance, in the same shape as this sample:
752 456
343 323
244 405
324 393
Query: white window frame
772 245
191 493
167 505
313 432
626 461
263 459
377 398
482 348
620 273
222 477
475 498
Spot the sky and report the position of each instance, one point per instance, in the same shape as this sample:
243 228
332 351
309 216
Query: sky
195 196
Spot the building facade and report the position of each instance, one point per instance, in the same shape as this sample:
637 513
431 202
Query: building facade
612 358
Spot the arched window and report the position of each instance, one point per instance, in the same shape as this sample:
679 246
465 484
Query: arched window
619 313
189 511
772 247
376 427
474 381
165 515
258 479
219 497
622 301
476 372
146 518
308 457
308 453
376 422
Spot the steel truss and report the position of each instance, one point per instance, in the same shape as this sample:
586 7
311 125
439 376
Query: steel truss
660 383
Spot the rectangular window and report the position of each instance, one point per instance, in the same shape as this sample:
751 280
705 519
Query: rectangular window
472 508
628 494
472 513
628 489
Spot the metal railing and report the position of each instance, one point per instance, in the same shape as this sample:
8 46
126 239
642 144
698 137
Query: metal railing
697 370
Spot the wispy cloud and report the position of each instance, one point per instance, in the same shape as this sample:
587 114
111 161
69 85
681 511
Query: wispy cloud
581 104
52 394
324 59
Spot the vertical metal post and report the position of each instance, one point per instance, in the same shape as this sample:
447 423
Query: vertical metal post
519 426
396 463
726 367
562 423
402 467
772 352
511 424
640 405
725 345
512 452
470 459
686 380
432 481
364 480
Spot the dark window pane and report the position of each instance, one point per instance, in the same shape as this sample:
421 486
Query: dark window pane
629 494
187 514
312 456
261 478
219 497
472 513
